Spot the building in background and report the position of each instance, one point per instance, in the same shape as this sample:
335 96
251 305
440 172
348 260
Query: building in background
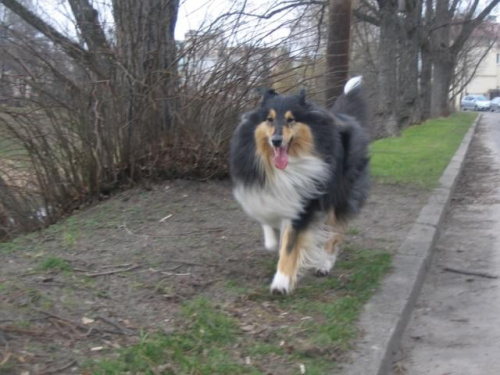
486 79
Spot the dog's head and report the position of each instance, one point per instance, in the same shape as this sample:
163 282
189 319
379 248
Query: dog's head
283 132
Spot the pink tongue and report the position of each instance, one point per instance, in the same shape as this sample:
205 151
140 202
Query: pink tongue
280 157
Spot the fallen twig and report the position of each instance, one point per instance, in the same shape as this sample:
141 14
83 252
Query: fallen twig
189 263
470 273
118 265
113 271
166 218
174 274
64 320
83 270
145 236
59 369
5 358
200 231
111 323
24 320
22 331
78 325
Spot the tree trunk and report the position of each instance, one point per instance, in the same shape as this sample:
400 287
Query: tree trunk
386 124
442 77
426 67
442 59
425 84
409 104
337 49
145 39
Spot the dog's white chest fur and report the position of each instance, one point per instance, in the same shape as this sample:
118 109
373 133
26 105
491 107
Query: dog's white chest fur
283 195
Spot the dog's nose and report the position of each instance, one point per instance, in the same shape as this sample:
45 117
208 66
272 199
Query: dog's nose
276 140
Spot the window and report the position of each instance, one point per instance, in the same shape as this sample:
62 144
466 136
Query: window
498 58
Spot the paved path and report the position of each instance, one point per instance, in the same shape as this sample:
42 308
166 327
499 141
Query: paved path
455 328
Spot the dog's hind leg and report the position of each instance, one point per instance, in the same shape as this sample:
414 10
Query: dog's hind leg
291 244
270 238
332 247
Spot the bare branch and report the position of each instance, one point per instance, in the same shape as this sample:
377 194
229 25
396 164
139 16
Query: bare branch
71 48
366 17
270 14
469 27
88 23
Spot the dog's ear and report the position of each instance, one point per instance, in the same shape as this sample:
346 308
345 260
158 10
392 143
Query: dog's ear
302 96
266 94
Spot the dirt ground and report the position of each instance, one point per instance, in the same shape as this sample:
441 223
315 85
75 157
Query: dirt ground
105 276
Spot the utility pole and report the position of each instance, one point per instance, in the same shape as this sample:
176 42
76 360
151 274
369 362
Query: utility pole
337 49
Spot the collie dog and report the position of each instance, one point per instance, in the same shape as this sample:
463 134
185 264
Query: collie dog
301 171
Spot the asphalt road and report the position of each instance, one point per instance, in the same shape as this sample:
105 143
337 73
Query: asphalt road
455 328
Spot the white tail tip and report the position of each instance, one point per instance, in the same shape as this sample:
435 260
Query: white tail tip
352 84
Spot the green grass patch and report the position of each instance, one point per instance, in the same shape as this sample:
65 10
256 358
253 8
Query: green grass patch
335 323
26 242
422 152
54 263
206 344
354 231
202 347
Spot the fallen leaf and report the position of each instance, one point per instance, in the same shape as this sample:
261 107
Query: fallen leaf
87 320
247 328
96 348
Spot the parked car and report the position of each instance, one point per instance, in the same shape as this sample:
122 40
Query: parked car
495 104
475 103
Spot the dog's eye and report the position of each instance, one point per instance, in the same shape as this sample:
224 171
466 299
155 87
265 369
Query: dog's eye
270 119
290 120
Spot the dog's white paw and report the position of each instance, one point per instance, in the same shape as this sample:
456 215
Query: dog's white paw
270 239
326 267
282 284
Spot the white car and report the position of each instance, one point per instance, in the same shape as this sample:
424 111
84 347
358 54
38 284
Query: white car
495 104
475 103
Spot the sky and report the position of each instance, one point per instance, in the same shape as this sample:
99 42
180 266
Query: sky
192 14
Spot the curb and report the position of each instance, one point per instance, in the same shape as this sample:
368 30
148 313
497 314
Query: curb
387 313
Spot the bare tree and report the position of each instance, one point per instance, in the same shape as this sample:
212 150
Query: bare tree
118 104
446 46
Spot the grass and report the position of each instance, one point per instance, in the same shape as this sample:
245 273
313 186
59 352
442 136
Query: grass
52 263
354 231
422 152
335 325
207 343
202 347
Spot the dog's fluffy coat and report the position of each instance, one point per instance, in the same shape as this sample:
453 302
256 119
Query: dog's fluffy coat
302 171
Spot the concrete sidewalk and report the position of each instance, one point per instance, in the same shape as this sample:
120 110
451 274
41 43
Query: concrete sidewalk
386 315
455 328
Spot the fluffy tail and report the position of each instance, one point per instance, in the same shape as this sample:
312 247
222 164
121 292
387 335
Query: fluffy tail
352 102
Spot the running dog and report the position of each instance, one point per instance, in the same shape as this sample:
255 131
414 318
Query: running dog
302 172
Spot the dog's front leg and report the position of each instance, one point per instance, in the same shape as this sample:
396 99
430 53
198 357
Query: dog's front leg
285 279
332 247
270 239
